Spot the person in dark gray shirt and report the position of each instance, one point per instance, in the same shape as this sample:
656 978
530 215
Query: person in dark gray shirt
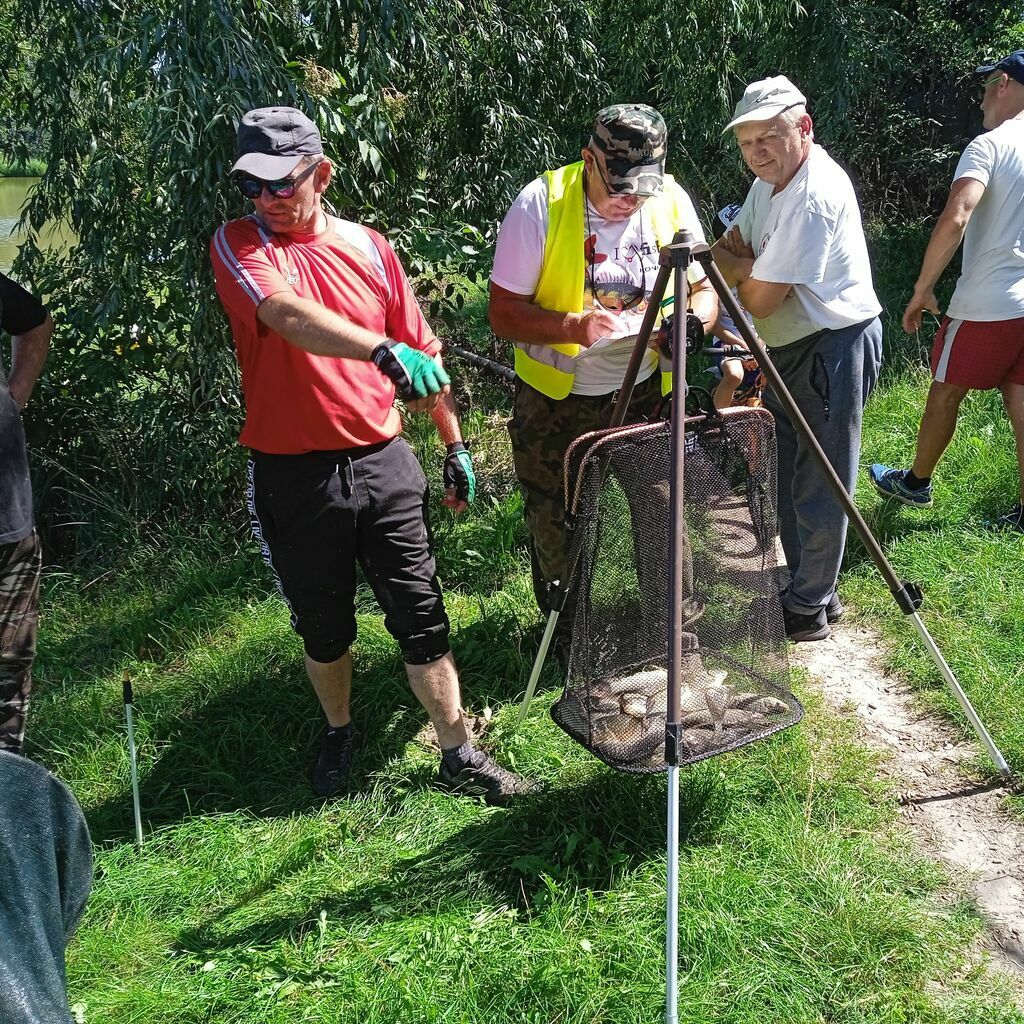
25 319
46 867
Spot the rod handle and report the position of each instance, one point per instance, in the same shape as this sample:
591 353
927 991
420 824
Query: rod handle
126 686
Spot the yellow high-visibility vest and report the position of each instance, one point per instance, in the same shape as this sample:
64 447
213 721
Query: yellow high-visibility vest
551 368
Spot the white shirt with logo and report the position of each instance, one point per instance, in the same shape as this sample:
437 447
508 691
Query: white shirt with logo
810 235
991 286
621 264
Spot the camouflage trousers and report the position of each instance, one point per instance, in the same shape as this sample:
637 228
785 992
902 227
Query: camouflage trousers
541 430
20 567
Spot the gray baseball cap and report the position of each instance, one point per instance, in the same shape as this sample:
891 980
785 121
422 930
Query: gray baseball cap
763 100
271 141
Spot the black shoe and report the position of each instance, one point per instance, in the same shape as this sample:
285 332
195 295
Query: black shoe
834 610
483 777
334 762
801 628
1012 520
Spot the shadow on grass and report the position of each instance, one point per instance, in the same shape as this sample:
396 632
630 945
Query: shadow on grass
584 836
244 734
145 626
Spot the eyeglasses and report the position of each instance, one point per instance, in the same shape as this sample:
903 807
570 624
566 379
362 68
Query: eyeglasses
983 87
282 188
613 193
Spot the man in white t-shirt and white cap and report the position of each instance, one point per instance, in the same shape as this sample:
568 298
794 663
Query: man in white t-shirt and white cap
799 260
980 344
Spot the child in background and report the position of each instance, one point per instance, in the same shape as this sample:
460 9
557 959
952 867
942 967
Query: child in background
740 379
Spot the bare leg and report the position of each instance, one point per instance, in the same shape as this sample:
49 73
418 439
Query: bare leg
436 687
937 426
332 682
732 374
1013 400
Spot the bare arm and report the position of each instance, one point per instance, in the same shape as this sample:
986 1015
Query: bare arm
445 415
518 318
314 328
735 258
947 235
321 331
28 353
704 302
762 298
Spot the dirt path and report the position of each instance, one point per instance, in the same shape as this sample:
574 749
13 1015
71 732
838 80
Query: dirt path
960 824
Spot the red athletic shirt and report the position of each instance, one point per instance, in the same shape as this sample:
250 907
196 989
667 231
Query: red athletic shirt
298 402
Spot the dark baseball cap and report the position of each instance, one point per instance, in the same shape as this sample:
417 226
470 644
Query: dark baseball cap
1013 65
633 138
271 141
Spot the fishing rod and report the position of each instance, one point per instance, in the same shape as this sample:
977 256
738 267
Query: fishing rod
506 373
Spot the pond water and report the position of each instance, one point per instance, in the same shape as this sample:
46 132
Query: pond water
13 193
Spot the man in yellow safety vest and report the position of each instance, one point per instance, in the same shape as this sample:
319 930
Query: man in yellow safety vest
576 259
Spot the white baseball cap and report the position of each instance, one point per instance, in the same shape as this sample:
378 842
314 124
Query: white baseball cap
761 101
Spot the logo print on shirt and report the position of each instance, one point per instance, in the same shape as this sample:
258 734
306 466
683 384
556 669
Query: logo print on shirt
293 276
590 253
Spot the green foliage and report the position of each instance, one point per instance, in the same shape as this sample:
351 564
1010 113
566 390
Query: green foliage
435 114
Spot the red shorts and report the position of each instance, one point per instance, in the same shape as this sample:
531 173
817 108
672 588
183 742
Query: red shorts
979 355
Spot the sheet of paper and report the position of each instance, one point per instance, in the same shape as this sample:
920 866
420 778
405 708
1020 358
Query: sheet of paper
629 327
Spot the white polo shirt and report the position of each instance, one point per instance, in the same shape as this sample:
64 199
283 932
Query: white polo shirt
810 236
991 286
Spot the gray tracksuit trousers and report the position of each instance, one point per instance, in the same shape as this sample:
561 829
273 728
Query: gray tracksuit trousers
830 375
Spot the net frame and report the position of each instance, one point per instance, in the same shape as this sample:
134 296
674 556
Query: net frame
735 688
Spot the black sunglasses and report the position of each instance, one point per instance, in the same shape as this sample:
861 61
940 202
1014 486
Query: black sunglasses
283 188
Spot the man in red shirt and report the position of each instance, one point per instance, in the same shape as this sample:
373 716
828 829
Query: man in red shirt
327 330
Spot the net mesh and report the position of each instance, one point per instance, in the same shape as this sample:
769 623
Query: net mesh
735 673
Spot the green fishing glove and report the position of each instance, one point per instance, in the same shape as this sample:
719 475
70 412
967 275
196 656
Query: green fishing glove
458 472
414 373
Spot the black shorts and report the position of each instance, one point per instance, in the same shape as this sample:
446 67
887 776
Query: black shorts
315 515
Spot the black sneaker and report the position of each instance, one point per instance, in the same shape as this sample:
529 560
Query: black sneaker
834 610
334 762
1013 520
484 777
801 628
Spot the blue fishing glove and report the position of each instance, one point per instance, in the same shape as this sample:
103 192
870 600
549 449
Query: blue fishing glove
458 472
414 373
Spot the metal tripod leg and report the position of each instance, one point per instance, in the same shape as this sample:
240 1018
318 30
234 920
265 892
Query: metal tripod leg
672 900
538 662
962 698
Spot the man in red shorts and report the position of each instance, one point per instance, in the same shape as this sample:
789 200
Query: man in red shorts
980 344
327 329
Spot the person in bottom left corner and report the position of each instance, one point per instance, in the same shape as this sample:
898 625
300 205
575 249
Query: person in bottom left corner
26 320
327 329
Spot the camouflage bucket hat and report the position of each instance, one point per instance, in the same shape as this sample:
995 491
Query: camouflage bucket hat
633 138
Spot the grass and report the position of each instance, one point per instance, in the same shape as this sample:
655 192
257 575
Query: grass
31 168
801 901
